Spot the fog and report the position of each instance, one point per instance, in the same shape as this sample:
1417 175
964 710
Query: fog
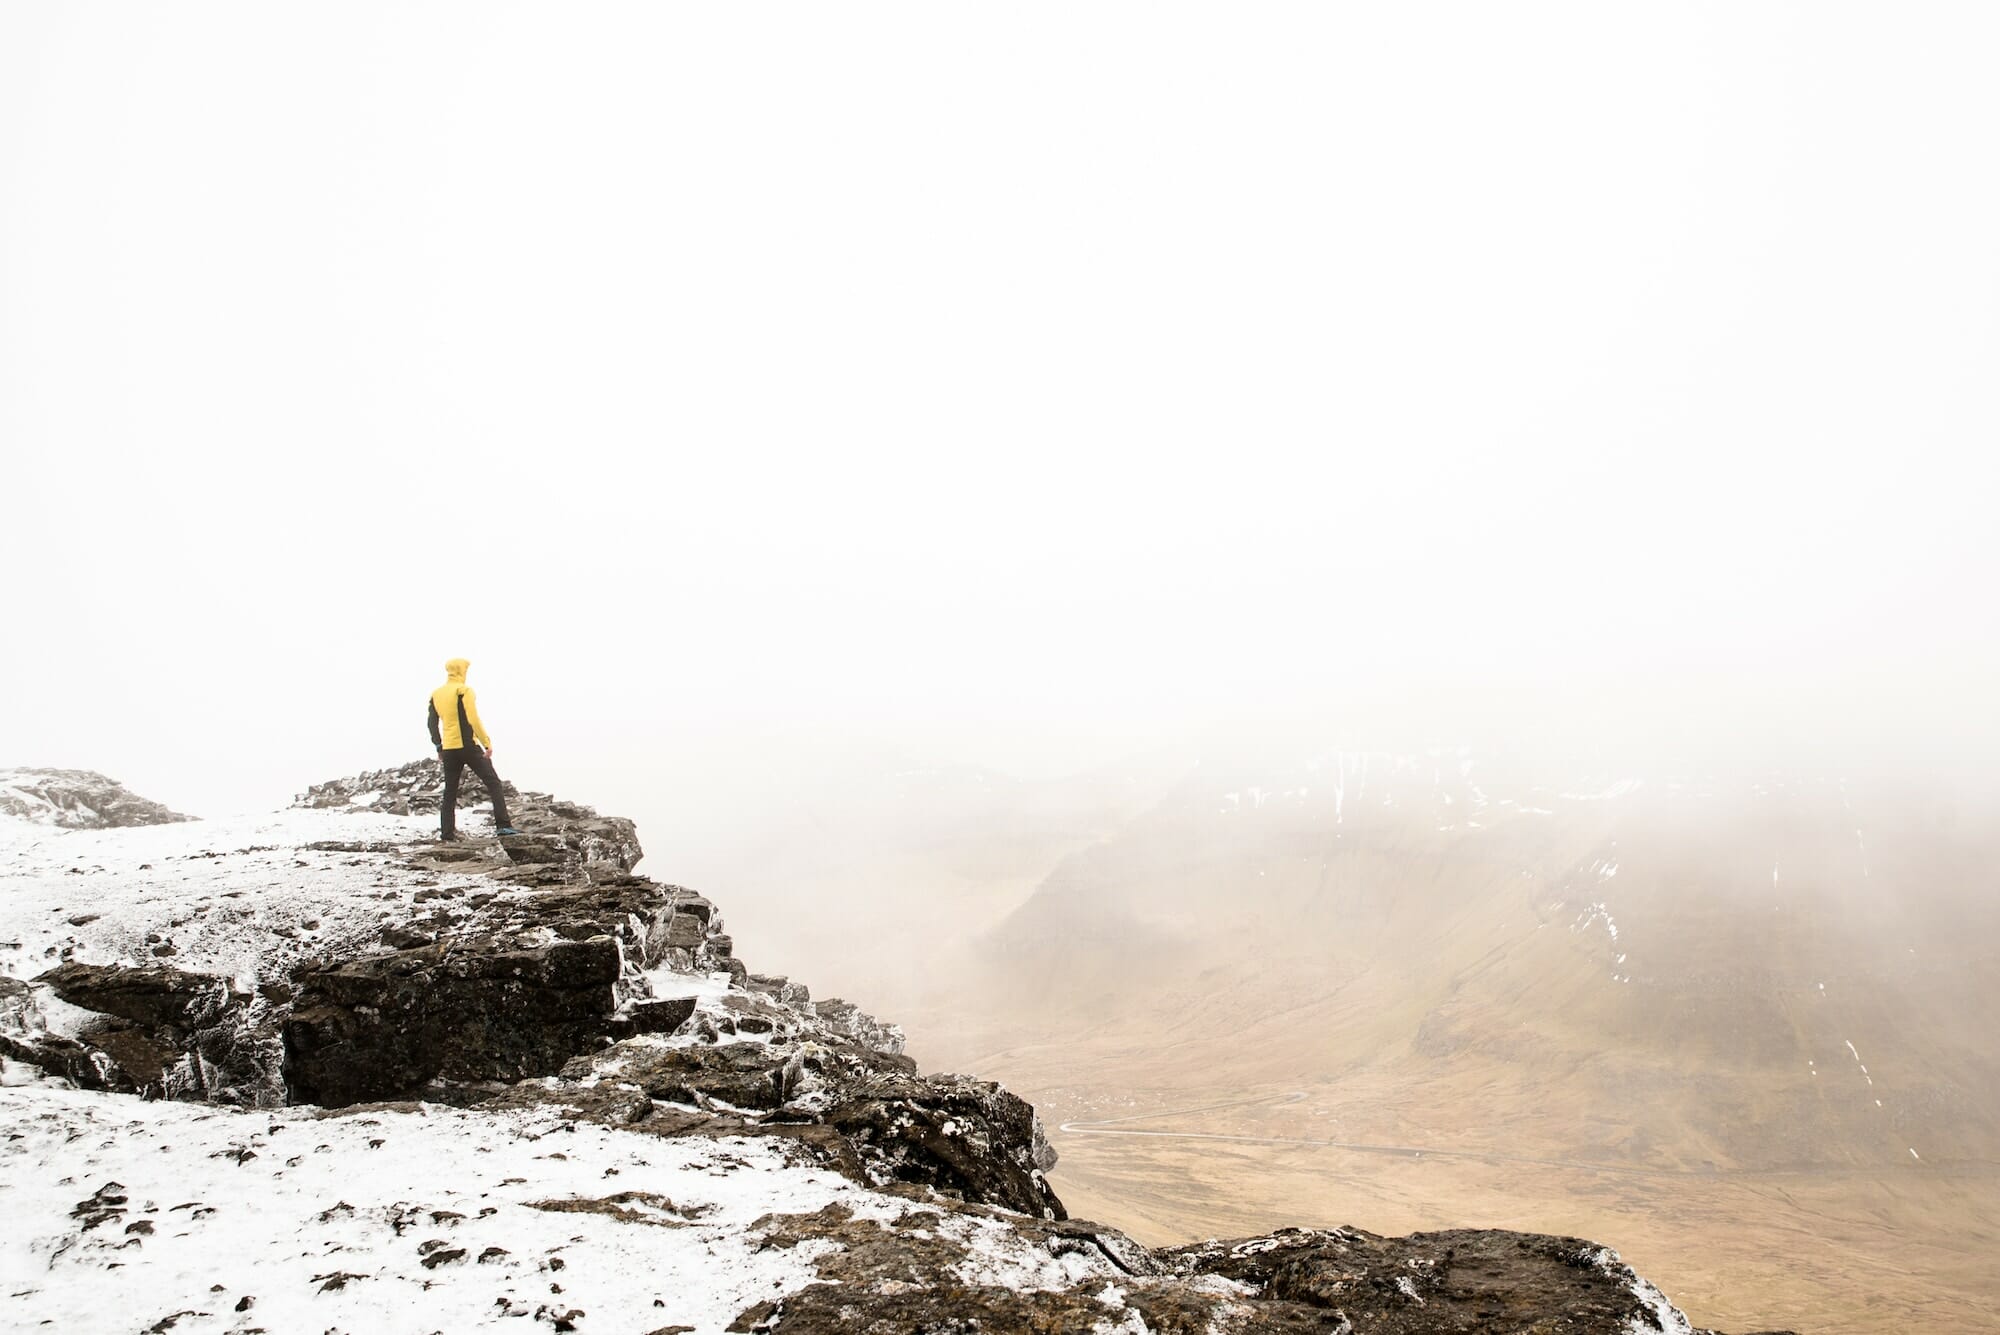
760 396
954 475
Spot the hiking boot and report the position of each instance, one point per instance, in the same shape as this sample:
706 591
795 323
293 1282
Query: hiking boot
506 830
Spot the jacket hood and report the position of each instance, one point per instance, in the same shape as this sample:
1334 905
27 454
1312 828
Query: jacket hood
454 669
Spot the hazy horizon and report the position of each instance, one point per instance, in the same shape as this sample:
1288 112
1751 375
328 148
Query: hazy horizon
943 471
1024 387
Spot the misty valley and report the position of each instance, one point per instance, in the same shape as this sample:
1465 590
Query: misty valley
1736 1025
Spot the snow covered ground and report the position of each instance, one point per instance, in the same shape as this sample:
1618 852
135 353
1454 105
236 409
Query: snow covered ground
133 1216
118 1214
241 896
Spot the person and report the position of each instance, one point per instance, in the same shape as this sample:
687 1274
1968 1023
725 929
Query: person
461 741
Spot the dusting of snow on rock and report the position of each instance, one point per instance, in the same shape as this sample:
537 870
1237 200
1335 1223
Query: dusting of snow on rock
75 799
245 897
1660 1315
601 1118
354 1222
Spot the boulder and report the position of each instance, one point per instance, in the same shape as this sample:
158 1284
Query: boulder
779 986
741 1075
149 995
969 1139
1453 1280
844 1017
653 1017
533 848
164 1032
385 1026
685 931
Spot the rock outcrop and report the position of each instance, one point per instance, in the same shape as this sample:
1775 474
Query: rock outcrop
149 1029
415 787
387 1026
543 976
182 1033
910 1274
77 799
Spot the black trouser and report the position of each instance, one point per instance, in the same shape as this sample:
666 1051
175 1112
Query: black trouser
455 763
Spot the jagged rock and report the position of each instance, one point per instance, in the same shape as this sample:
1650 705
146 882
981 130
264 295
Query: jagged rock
77 799
17 1004
750 1013
25 1037
490 996
493 1004
744 1075
419 785
779 986
532 848
149 995
1454 1280
685 931
609 1104
165 1031
901 1277
887 1309
66 1058
844 1017
970 1139
654 1017
384 1026
909 1274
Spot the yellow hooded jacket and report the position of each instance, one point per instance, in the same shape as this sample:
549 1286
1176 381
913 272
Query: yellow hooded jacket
455 712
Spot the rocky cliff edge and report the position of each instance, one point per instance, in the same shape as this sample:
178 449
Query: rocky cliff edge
309 989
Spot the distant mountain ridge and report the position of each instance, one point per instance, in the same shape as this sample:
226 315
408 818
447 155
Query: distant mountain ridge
77 799
1643 946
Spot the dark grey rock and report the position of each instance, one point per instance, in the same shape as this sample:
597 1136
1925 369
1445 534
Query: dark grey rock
1455 1280
165 1032
151 995
385 1026
685 931
654 1017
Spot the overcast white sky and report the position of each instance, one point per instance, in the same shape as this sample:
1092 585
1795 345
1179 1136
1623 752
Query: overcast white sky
1012 383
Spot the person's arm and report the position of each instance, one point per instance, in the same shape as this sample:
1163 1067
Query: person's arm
472 716
437 738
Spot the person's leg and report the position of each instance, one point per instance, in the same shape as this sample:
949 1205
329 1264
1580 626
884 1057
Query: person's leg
454 765
483 767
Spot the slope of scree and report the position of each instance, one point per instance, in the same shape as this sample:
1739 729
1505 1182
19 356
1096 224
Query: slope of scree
494 991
